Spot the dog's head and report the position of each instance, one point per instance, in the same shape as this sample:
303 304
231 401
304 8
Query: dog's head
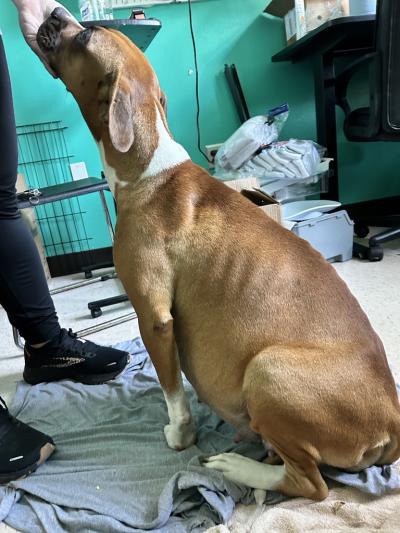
108 75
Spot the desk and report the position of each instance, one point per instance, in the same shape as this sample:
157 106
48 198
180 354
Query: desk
63 191
345 36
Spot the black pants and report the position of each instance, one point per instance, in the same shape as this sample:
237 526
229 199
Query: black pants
24 293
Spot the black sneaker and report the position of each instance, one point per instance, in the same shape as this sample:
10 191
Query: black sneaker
66 357
22 448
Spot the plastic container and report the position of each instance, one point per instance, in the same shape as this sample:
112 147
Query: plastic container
362 7
86 10
330 234
108 10
105 9
290 190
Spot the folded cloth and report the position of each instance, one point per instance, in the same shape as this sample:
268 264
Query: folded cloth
112 469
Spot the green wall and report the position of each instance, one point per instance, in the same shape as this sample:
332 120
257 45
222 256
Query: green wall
227 31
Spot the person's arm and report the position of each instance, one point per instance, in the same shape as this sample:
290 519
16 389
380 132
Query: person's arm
32 13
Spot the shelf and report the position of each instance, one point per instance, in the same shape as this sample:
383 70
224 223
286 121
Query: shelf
141 32
339 34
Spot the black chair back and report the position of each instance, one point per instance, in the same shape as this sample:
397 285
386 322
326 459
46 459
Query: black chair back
385 88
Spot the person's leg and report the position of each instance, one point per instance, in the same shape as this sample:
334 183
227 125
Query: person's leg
24 293
51 353
22 448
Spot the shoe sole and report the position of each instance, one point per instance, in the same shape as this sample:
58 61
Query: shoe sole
34 376
45 453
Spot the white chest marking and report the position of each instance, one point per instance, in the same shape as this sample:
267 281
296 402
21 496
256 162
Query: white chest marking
110 172
168 153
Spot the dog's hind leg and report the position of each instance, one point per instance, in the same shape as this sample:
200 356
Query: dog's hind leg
306 403
291 478
284 409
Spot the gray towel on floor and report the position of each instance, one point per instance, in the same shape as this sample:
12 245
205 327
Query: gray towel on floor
113 471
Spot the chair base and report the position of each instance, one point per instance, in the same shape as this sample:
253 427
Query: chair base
372 253
374 250
95 307
383 212
88 269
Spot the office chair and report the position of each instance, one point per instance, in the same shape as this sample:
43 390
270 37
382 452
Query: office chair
378 122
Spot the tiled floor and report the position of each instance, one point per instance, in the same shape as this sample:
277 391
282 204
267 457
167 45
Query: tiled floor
376 285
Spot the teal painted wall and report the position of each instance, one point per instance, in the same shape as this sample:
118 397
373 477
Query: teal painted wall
227 31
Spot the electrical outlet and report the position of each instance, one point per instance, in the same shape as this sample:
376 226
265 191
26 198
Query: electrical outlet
211 151
78 171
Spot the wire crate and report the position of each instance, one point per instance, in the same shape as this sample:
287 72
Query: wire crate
44 161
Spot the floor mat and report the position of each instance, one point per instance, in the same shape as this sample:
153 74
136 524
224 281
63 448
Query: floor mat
112 469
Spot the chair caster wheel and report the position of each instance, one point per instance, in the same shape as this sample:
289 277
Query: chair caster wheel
361 230
375 253
96 312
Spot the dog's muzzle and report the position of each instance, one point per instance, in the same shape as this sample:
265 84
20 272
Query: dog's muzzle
49 33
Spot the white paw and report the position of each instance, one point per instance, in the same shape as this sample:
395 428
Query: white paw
245 471
180 436
235 467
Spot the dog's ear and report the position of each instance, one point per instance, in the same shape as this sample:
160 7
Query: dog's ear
116 111
120 118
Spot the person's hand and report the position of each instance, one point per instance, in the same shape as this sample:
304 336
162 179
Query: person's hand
32 13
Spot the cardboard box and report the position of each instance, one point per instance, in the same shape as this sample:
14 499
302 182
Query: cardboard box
29 217
249 187
302 16
290 26
318 11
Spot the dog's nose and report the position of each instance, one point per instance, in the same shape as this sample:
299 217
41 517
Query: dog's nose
48 36
58 18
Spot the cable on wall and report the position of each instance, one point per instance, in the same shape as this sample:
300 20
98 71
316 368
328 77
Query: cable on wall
197 82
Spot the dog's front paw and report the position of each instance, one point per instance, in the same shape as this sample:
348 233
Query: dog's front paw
180 436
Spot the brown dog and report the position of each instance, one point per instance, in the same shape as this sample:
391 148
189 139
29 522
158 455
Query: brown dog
264 329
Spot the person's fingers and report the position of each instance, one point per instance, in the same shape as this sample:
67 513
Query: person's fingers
32 13
37 7
49 6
